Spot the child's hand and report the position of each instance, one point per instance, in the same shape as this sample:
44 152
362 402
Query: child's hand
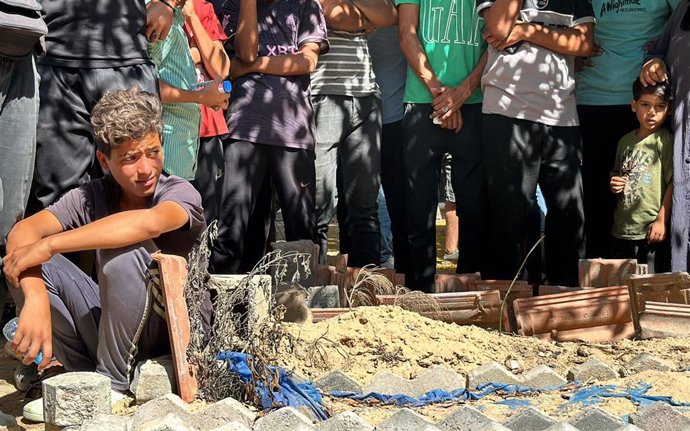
618 184
657 231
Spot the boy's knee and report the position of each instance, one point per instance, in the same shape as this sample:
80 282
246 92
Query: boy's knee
131 259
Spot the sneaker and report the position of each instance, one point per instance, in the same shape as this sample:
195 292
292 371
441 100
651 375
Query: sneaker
452 255
24 375
33 410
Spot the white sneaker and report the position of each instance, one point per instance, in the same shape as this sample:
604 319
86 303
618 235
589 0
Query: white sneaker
33 410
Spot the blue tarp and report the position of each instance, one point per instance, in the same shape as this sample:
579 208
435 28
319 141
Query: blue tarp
638 395
288 392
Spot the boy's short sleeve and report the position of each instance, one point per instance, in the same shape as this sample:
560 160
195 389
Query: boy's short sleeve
75 208
180 191
584 13
312 27
483 4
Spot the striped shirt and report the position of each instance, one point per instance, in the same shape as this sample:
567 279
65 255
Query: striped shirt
345 70
181 121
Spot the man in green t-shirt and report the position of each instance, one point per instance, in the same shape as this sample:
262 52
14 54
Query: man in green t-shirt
642 181
442 42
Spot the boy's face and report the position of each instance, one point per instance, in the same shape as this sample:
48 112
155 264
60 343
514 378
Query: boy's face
651 111
135 166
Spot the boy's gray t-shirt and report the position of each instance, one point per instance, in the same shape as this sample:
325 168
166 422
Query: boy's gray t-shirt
271 109
100 198
530 82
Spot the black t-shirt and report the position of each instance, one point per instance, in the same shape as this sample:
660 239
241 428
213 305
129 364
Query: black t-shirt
95 33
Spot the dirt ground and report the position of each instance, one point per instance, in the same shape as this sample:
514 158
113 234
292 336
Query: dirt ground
369 340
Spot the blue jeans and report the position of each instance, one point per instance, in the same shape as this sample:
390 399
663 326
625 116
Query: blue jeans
348 174
386 233
18 113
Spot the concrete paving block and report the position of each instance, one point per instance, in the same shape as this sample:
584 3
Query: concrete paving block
644 362
346 421
285 419
294 266
464 418
158 408
323 296
337 381
561 427
437 377
152 379
406 420
595 419
543 377
631 427
493 426
388 383
232 426
169 422
529 419
491 372
224 411
71 398
659 416
107 422
590 371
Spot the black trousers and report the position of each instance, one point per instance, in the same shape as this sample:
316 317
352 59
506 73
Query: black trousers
246 195
209 175
657 255
601 128
425 144
518 155
393 182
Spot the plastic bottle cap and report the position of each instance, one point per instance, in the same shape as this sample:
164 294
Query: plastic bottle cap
227 86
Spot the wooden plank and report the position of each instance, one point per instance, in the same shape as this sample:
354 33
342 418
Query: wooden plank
173 277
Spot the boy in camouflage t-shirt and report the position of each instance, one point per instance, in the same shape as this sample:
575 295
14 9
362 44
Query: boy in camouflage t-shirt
642 180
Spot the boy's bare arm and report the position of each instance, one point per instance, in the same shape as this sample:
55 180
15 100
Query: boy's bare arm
208 96
381 13
412 48
657 231
117 230
213 55
578 40
303 62
247 36
343 15
500 18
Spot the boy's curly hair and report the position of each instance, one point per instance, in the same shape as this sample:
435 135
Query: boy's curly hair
661 90
124 115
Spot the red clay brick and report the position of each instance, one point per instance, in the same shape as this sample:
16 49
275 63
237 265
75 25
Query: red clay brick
173 277
605 272
446 283
607 307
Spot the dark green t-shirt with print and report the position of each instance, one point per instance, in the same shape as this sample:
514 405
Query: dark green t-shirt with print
648 165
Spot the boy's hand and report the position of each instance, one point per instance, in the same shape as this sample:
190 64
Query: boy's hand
582 62
23 258
211 97
34 331
453 122
618 184
518 34
239 68
450 99
657 231
653 71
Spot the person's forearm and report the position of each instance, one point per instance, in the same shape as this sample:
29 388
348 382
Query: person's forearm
474 79
417 60
381 13
213 56
500 18
247 37
344 16
170 94
568 41
665 210
298 63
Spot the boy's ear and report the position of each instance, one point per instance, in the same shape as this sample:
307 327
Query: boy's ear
633 105
103 160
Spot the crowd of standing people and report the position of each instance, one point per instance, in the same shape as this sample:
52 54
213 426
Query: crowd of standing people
119 134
